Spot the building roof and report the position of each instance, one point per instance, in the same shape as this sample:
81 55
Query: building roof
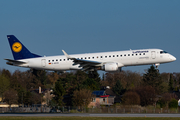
99 92
104 92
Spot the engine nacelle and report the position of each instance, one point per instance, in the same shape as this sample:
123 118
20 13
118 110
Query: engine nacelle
108 67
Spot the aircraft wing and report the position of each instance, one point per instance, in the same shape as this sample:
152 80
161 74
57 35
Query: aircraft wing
85 64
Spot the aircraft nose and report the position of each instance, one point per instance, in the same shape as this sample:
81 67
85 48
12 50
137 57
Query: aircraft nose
172 58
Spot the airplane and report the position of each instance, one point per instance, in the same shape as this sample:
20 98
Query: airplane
105 61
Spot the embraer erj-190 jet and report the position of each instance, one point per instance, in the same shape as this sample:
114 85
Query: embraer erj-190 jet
106 61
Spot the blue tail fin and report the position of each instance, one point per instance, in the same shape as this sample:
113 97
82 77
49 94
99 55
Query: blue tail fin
19 51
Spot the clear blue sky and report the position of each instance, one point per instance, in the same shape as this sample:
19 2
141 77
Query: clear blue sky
46 27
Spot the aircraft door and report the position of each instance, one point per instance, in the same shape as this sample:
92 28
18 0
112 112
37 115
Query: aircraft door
153 54
43 62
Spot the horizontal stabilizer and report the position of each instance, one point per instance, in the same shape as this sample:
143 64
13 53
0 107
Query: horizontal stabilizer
12 62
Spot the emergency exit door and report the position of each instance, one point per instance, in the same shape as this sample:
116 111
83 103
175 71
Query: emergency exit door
43 62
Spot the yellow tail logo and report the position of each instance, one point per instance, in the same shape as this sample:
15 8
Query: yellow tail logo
17 47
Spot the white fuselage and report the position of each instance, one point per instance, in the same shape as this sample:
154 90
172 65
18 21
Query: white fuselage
122 58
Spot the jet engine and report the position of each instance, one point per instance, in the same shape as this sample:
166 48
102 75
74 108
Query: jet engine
108 67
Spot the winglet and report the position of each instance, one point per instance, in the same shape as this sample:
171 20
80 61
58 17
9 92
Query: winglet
69 57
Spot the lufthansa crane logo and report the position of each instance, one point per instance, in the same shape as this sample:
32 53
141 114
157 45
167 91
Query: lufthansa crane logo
17 47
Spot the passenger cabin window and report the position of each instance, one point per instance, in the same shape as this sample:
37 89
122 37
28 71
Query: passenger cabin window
92 57
113 55
49 60
128 54
64 59
53 60
109 56
105 56
117 55
88 57
56 59
124 54
121 55
60 59
101 56
143 53
132 54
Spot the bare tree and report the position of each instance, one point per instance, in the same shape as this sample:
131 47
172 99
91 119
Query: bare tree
35 98
176 81
82 97
53 77
128 79
147 95
131 98
11 96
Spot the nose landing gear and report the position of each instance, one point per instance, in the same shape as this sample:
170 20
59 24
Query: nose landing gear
157 65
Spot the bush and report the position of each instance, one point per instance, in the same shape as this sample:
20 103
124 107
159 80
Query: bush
173 103
161 103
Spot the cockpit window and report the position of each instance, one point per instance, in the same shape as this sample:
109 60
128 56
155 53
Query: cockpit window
161 52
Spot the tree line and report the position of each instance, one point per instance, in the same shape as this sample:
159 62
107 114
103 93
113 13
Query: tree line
75 88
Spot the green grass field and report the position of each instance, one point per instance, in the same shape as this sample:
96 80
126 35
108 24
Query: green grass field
86 118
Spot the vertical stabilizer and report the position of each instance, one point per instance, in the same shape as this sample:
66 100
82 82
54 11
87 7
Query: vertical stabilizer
19 51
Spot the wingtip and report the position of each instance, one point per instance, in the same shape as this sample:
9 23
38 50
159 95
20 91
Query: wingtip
66 54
